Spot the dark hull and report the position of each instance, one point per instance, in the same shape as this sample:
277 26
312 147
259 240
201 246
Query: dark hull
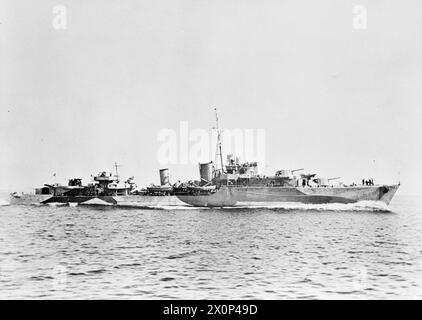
28 199
76 199
141 201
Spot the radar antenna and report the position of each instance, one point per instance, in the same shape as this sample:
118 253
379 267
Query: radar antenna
117 172
218 153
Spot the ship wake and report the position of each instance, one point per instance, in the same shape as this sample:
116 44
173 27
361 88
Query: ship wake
361 206
4 202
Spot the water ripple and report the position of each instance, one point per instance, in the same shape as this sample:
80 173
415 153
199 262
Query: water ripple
278 253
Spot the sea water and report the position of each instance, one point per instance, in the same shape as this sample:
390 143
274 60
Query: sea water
359 251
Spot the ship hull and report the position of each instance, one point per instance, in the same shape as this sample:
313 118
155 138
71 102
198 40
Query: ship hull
267 196
28 199
227 197
139 201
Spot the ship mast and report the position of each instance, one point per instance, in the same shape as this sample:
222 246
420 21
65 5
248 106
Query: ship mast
218 153
117 173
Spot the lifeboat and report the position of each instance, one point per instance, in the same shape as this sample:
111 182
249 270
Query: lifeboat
202 189
160 190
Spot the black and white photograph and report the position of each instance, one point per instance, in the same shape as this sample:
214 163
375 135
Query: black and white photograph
204 150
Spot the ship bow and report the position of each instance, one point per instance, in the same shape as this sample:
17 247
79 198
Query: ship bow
387 192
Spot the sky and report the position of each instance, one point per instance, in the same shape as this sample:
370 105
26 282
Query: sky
330 98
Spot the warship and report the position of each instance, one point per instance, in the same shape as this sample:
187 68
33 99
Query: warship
105 190
234 184
239 184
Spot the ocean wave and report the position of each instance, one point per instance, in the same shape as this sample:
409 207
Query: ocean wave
138 206
377 206
4 202
374 206
58 204
187 207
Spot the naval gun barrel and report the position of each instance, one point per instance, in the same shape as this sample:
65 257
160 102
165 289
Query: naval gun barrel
329 179
298 170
